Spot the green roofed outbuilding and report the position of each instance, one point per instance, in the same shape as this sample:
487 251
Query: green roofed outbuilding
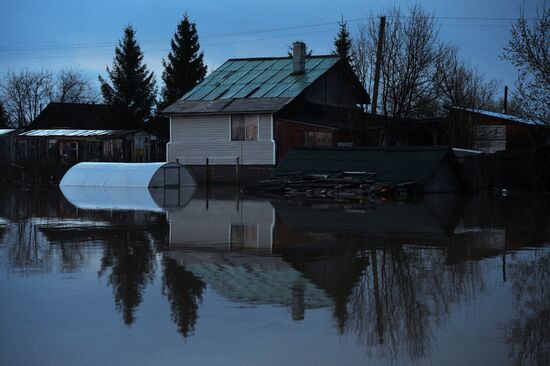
433 168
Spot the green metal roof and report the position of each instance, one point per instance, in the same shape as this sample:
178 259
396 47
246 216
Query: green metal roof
259 78
394 164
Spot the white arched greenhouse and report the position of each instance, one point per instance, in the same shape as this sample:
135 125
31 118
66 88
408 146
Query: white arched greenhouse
128 175
128 186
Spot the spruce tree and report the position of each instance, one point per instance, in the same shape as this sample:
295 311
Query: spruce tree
185 66
132 86
343 44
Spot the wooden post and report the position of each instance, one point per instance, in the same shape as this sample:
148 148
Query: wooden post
237 172
381 30
207 173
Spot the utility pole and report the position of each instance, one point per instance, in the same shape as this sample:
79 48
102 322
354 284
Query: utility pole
506 99
374 104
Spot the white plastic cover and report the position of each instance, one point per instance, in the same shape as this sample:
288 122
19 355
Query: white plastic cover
123 175
111 198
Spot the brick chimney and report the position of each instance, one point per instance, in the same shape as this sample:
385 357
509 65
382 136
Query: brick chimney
298 58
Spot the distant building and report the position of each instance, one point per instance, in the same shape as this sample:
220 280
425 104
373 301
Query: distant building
7 145
491 132
256 109
73 132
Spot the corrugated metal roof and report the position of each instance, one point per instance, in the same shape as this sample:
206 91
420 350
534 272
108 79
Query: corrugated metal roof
497 115
259 78
73 133
398 164
243 105
251 85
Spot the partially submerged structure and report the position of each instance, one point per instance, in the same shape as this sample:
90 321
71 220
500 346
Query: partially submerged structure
128 186
128 175
127 199
250 112
433 168
491 132
7 145
72 132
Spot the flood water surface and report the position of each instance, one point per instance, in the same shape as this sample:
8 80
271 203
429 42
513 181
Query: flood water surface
215 278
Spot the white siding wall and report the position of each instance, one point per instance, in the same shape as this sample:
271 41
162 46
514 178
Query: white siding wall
195 138
196 225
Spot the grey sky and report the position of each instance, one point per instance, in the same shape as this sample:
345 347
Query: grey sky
55 33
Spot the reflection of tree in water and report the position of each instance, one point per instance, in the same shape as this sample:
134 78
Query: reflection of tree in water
131 258
404 294
184 291
529 334
27 252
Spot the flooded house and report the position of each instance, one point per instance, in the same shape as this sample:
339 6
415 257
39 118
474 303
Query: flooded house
7 145
65 133
250 112
491 132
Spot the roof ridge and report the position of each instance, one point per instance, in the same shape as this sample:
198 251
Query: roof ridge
278 58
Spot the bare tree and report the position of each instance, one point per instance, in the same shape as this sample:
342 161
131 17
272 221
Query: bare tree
73 87
407 66
365 56
459 84
25 93
529 51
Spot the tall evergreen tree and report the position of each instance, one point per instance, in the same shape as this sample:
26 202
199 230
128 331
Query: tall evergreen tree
343 43
185 66
132 86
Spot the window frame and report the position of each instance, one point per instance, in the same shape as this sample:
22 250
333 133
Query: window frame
246 119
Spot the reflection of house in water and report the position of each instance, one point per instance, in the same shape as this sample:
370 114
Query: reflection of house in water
427 222
226 221
253 278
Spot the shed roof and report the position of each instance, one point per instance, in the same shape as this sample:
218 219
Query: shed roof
74 133
252 84
391 164
7 131
503 116
82 116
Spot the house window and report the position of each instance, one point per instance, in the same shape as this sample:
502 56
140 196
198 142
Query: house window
244 127
317 138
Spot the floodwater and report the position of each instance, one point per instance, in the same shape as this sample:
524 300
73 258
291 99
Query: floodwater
215 278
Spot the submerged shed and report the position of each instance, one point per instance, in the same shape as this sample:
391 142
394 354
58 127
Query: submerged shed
434 168
134 175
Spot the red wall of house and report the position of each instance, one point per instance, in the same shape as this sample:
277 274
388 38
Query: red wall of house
291 134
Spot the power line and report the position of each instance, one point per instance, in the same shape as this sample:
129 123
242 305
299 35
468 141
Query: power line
165 49
164 40
236 34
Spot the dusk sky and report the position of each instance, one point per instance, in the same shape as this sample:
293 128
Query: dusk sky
54 34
